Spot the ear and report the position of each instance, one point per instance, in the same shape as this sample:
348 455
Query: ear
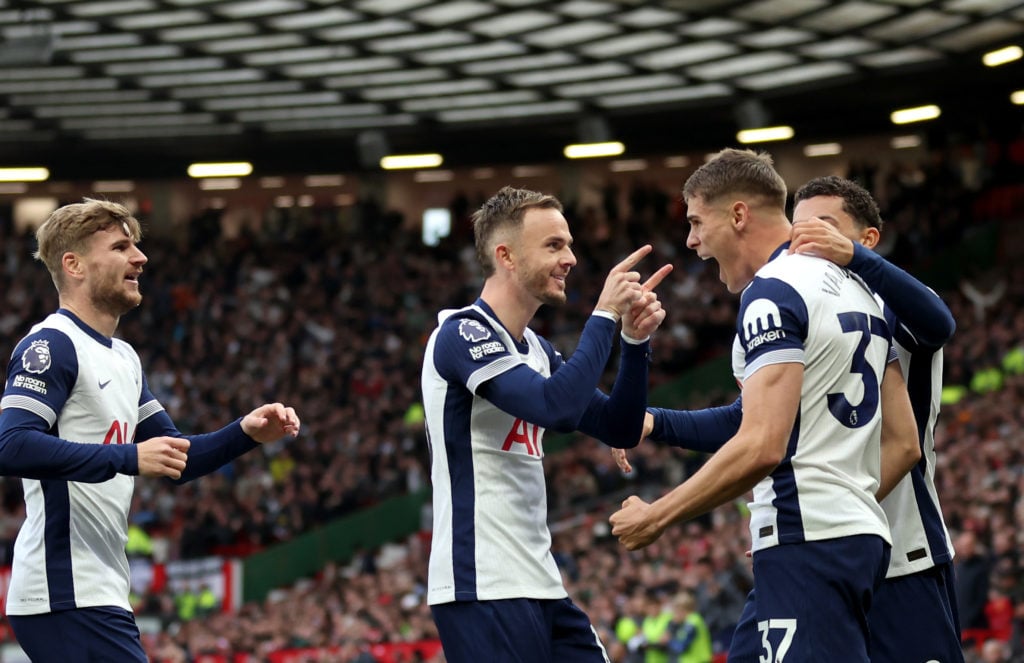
870 237
740 214
72 265
503 257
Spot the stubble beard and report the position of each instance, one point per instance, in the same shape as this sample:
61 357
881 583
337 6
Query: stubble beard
553 298
116 302
539 284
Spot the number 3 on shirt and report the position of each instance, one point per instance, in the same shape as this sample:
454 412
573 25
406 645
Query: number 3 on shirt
855 416
788 628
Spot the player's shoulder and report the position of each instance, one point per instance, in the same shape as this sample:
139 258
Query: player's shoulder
469 323
779 280
42 349
46 336
794 268
471 331
127 350
811 278
123 346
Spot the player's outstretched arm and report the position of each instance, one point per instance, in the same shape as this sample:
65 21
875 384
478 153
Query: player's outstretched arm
210 451
901 448
270 422
771 399
703 430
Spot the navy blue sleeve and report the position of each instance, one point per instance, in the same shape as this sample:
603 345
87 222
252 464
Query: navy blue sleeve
698 430
559 401
923 313
618 419
27 450
40 376
208 451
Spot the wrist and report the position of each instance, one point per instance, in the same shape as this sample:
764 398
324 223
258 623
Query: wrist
241 425
129 460
856 255
655 433
849 256
607 313
632 340
659 517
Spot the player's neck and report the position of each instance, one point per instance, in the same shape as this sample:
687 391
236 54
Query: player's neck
757 243
104 323
771 234
514 313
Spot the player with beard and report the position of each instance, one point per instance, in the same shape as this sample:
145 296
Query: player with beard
491 386
75 402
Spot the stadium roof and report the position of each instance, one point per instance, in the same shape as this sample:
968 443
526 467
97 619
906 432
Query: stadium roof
109 88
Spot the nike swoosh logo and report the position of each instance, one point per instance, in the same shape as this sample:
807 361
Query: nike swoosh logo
103 385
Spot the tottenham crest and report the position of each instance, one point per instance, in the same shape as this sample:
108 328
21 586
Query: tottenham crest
473 330
36 358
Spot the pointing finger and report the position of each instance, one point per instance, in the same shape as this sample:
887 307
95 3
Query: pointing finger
657 277
633 258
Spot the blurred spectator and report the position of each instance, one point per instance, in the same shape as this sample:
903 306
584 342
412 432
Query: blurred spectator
689 638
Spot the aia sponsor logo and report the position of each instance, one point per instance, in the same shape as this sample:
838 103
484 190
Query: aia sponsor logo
118 433
525 434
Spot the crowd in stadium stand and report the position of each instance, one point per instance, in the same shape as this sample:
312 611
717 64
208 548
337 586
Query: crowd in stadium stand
332 315
331 320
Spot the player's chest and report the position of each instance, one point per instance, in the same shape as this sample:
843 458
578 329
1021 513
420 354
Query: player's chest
108 382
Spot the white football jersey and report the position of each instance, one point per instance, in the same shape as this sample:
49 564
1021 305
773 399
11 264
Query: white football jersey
920 539
491 538
807 310
70 551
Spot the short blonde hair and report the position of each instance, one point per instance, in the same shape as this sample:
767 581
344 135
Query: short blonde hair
69 227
